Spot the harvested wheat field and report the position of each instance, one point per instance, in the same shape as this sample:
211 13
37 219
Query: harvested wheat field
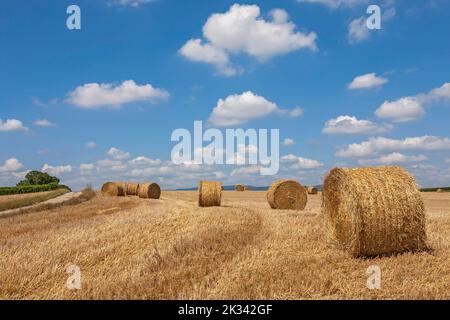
133 248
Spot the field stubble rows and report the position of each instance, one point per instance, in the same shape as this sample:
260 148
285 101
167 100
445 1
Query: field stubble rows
131 248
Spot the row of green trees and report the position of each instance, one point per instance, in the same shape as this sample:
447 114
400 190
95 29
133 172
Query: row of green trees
35 181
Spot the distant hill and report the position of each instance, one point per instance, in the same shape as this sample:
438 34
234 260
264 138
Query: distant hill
445 189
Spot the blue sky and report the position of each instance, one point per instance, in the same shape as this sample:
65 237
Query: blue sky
100 103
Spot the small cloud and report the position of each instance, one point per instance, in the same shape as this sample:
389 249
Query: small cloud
44 123
300 163
56 170
296 112
91 145
11 165
367 81
117 154
377 145
87 167
144 161
402 110
12 125
358 31
94 95
131 3
288 142
352 125
335 4
393 158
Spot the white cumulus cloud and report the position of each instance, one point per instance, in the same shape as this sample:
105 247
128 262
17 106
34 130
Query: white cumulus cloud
94 95
11 165
91 144
337 3
358 31
44 123
56 170
412 108
12 125
241 108
377 145
351 125
394 158
130 3
144 161
367 81
117 154
288 142
242 30
298 163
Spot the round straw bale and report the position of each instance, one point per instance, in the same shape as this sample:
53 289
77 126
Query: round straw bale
132 189
440 190
312 190
122 188
287 195
209 193
374 211
149 191
239 187
112 189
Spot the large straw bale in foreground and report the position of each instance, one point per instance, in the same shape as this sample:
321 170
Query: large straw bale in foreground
209 193
132 189
149 191
374 211
287 195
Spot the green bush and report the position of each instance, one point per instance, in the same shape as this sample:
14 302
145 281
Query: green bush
30 189
34 178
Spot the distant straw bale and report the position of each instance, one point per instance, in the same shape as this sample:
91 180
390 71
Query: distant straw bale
312 190
132 189
112 189
287 195
149 191
209 193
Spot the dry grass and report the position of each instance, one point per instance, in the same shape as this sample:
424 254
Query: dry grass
28 199
136 248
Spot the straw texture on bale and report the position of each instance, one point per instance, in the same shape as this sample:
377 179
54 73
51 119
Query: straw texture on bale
312 190
209 194
374 211
112 189
132 189
287 195
239 187
149 191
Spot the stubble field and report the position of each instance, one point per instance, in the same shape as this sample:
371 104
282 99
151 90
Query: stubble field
131 248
